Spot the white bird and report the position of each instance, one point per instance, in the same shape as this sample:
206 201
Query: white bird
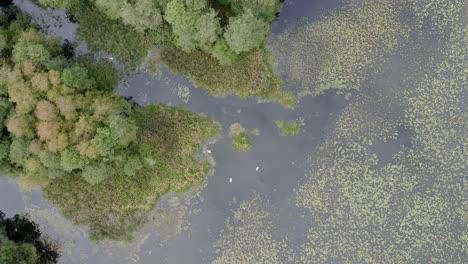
111 58
209 151
257 168
230 179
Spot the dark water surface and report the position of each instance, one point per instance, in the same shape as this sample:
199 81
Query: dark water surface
281 162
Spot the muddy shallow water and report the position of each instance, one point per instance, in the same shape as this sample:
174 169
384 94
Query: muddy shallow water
185 226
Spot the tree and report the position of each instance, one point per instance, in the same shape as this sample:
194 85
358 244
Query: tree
113 9
96 173
77 77
193 24
66 106
142 15
20 126
50 160
35 52
245 32
40 82
3 41
123 130
4 155
20 94
264 9
5 108
7 247
223 53
46 111
58 142
103 141
70 159
132 165
104 74
19 152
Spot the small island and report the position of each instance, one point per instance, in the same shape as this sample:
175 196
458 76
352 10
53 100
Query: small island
240 138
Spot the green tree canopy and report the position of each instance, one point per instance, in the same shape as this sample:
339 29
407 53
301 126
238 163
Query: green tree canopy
246 32
71 159
77 77
264 9
193 24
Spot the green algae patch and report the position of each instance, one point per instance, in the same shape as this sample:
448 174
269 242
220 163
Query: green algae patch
290 129
240 138
248 236
339 50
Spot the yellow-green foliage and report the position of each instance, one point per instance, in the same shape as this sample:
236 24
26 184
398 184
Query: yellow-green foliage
168 137
247 236
239 137
337 50
101 160
113 36
250 75
290 129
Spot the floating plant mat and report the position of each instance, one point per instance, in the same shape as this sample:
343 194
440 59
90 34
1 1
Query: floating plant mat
339 50
410 208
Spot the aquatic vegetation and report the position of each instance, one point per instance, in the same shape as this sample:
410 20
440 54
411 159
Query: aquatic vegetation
183 92
250 75
290 129
218 44
21 242
240 138
412 208
338 50
102 160
255 132
169 137
248 236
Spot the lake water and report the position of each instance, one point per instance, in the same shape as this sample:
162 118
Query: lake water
195 220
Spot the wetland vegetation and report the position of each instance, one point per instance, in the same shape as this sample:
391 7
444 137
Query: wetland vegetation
291 128
240 138
385 183
101 159
219 44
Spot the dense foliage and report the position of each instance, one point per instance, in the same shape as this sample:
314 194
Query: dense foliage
218 42
97 156
21 242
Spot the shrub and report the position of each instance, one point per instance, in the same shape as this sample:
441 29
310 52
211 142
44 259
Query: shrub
77 77
70 160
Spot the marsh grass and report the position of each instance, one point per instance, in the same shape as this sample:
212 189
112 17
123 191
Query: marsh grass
290 129
240 138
